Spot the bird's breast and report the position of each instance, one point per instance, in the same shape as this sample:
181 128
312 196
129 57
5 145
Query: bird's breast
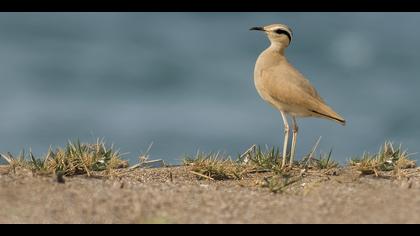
262 85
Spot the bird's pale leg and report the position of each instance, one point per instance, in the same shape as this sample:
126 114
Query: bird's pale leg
286 138
294 137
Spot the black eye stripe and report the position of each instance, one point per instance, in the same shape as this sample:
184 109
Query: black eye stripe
280 31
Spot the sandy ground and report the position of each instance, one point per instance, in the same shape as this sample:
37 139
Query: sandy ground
174 195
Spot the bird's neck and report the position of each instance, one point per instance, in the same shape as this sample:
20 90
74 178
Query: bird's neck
271 56
277 47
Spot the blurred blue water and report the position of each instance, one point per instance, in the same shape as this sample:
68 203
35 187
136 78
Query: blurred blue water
184 80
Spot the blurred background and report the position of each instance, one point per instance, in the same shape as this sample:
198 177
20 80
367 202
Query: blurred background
184 81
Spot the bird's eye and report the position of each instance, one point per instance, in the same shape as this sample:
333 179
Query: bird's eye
280 31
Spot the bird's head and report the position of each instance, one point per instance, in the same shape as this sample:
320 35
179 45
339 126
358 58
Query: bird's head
277 33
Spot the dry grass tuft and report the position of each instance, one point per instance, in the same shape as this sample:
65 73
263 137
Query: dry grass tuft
324 162
75 159
278 183
215 167
268 159
388 158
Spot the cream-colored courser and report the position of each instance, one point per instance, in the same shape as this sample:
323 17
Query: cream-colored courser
285 88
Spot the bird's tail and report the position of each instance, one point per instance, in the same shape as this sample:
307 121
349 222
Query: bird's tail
327 112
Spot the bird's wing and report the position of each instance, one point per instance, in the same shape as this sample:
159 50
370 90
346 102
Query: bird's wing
290 87
317 105
304 84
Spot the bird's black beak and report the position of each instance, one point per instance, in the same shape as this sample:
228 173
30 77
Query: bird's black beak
257 28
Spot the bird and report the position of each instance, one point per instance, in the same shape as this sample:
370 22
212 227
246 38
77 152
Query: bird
281 85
